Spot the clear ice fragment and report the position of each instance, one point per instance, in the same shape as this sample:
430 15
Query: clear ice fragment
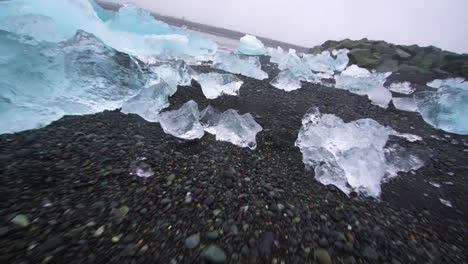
286 81
174 74
324 62
246 65
216 84
250 45
183 123
380 96
141 168
405 104
209 119
402 87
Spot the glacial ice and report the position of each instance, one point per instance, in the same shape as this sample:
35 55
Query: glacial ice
405 104
216 84
445 108
402 87
174 73
239 130
250 45
149 101
324 62
287 81
296 65
183 123
458 82
131 29
275 54
188 123
239 64
42 81
363 82
351 156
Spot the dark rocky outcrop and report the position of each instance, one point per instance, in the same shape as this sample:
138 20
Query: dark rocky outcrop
383 56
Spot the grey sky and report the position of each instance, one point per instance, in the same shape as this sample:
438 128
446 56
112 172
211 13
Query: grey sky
443 23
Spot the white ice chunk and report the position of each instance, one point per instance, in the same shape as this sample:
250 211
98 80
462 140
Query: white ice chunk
445 109
324 62
356 71
437 185
141 168
405 104
184 122
445 202
149 101
250 45
240 130
215 84
246 65
287 81
458 82
402 87
351 156
380 96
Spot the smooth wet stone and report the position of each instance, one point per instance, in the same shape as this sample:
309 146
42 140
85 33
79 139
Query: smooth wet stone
213 254
192 241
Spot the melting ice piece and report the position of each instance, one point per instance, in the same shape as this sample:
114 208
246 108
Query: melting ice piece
209 119
450 82
149 101
246 65
275 54
175 73
363 82
445 109
380 96
324 62
215 84
141 168
43 81
131 29
287 81
240 130
250 45
445 202
296 65
184 122
351 156
405 104
402 87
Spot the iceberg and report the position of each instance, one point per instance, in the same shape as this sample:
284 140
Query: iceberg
445 109
405 103
216 84
149 101
402 87
250 45
246 65
459 83
287 81
229 126
131 30
325 62
183 123
352 156
42 81
363 82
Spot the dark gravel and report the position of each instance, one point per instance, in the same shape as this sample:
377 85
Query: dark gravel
71 181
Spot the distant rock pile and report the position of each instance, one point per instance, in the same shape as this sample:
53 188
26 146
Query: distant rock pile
387 57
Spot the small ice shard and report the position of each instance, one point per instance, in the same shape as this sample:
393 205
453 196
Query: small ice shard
380 96
402 87
287 81
405 104
363 82
250 45
324 62
246 65
437 185
351 156
149 101
275 54
216 84
209 119
445 202
458 82
240 130
140 168
183 123
445 109
175 73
